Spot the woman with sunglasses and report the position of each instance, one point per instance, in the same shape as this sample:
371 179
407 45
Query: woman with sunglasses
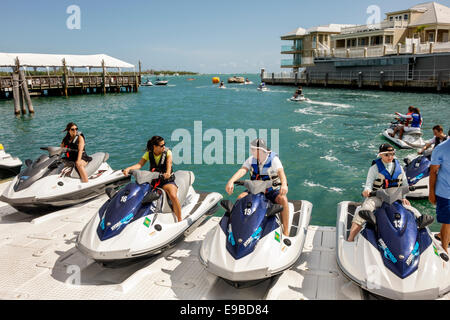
386 172
75 141
160 161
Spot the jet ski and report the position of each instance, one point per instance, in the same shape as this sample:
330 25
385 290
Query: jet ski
299 98
138 220
248 82
395 256
410 140
262 89
248 244
417 170
52 182
9 165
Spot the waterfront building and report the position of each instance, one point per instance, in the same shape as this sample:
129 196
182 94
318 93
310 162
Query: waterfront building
422 29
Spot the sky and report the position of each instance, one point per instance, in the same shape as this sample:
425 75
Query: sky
197 35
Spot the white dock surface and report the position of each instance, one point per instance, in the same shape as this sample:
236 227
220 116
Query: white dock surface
39 260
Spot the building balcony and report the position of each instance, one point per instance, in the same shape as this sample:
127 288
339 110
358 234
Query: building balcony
291 49
372 27
291 63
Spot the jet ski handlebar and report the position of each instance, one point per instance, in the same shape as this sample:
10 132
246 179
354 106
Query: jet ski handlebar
397 194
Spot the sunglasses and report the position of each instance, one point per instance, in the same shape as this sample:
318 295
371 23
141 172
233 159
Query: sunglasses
162 146
73 129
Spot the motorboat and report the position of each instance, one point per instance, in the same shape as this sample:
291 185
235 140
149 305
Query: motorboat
52 182
9 165
159 82
395 256
248 244
138 220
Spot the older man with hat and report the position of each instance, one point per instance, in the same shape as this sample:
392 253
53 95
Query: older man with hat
385 172
265 164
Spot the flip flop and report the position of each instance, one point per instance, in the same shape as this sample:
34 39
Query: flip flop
437 237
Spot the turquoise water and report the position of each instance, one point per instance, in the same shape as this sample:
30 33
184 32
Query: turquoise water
326 146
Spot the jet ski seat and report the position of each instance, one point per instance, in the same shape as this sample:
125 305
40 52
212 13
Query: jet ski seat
183 179
97 159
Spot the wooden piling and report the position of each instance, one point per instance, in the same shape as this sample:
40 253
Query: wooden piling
65 77
25 92
104 77
16 93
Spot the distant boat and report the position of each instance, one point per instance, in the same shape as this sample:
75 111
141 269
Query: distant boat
159 82
147 83
190 79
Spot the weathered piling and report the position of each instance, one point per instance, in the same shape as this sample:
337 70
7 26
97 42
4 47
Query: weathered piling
16 93
25 92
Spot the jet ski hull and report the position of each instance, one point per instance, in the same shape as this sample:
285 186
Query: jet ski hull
9 171
273 253
147 235
362 263
406 143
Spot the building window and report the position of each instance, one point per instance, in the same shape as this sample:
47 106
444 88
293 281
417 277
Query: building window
391 19
388 39
405 17
314 42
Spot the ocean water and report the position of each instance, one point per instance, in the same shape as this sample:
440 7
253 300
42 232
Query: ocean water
326 145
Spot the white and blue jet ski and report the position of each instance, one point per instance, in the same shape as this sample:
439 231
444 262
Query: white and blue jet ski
138 220
299 98
51 182
417 170
410 139
248 244
395 256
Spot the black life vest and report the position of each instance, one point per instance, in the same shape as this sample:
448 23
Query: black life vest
72 155
161 166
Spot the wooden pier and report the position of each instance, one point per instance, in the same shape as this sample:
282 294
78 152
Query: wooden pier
56 85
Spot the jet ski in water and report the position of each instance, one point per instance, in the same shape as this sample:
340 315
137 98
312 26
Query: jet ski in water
9 166
299 98
52 182
248 244
395 256
138 219
417 170
410 140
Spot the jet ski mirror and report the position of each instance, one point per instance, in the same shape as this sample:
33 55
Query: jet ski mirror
110 192
28 162
150 197
227 205
274 209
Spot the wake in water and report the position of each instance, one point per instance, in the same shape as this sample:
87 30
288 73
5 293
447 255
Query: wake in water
330 104
317 185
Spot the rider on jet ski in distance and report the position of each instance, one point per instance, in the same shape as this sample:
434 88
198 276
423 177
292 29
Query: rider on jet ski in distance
386 172
298 92
74 140
439 137
160 161
416 123
265 165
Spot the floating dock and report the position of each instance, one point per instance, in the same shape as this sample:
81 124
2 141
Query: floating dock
39 260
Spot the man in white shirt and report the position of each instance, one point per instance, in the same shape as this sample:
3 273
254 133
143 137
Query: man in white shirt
385 173
439 137
265 165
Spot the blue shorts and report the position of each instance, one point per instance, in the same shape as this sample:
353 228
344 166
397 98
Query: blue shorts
442 210
272 195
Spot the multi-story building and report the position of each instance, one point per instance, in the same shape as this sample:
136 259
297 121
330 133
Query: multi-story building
422 29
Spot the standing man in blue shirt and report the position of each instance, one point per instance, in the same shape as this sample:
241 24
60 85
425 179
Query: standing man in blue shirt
440 189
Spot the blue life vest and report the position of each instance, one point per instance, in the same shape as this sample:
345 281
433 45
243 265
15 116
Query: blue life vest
385 180
255 173
416 120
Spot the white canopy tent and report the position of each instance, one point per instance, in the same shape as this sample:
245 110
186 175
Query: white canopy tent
56 60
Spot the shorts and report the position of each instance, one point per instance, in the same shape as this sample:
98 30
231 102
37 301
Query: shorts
270 195
442 210
163 182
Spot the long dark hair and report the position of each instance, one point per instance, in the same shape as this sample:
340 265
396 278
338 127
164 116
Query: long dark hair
68 126
154 141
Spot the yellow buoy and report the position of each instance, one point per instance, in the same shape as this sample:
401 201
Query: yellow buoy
1 147
215 80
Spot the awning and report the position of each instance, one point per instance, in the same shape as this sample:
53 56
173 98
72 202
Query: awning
55 60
